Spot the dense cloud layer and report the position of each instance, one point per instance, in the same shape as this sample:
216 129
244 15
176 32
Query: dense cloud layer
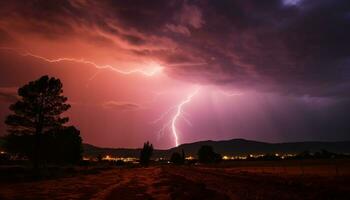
289 58
297 47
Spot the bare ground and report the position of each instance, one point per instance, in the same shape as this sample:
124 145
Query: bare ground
181 182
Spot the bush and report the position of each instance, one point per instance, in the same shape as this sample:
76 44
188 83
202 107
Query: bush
119 163
206 154
177 158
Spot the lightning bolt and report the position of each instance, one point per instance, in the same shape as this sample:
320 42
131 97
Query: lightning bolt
146 72
126 72
181 114
178 114
171 124
149 72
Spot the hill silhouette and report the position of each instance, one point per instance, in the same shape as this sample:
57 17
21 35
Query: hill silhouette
228 147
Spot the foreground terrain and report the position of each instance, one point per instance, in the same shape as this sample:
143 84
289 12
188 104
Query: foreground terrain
268 181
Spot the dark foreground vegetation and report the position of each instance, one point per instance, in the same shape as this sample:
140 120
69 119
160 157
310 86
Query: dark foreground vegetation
310 176
36 126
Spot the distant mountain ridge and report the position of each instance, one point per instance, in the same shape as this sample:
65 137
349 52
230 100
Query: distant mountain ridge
228 147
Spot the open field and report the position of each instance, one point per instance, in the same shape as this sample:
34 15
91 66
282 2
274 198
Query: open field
324 168
239 180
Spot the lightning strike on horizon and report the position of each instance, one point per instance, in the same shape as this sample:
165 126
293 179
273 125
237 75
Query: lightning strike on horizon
171 124
178 114
179 108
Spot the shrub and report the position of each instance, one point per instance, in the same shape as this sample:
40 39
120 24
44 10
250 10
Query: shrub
206 154
146 153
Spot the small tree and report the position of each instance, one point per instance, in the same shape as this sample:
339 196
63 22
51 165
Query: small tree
178 158
146 153
38 111
206 154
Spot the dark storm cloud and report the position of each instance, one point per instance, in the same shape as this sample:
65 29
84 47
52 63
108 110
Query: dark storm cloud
63 19
314 118
5 38
50 19
144 15
300 47
294 47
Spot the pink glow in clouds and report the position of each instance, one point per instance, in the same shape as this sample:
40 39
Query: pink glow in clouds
272 71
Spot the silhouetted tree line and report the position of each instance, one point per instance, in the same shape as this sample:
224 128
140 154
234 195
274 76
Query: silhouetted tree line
323 154
36 127
205 154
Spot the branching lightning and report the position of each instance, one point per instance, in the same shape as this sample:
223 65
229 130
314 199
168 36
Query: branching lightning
126 72
149 72
171 124
178 114
146 72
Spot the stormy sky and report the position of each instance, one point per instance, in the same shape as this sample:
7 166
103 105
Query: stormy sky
274 70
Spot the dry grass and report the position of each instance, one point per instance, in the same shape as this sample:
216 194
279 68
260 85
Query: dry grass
250 180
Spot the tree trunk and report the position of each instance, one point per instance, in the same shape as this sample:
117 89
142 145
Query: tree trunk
38 132
37 157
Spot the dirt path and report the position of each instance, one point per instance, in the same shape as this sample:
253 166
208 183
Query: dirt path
138 183
135 183
158 183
